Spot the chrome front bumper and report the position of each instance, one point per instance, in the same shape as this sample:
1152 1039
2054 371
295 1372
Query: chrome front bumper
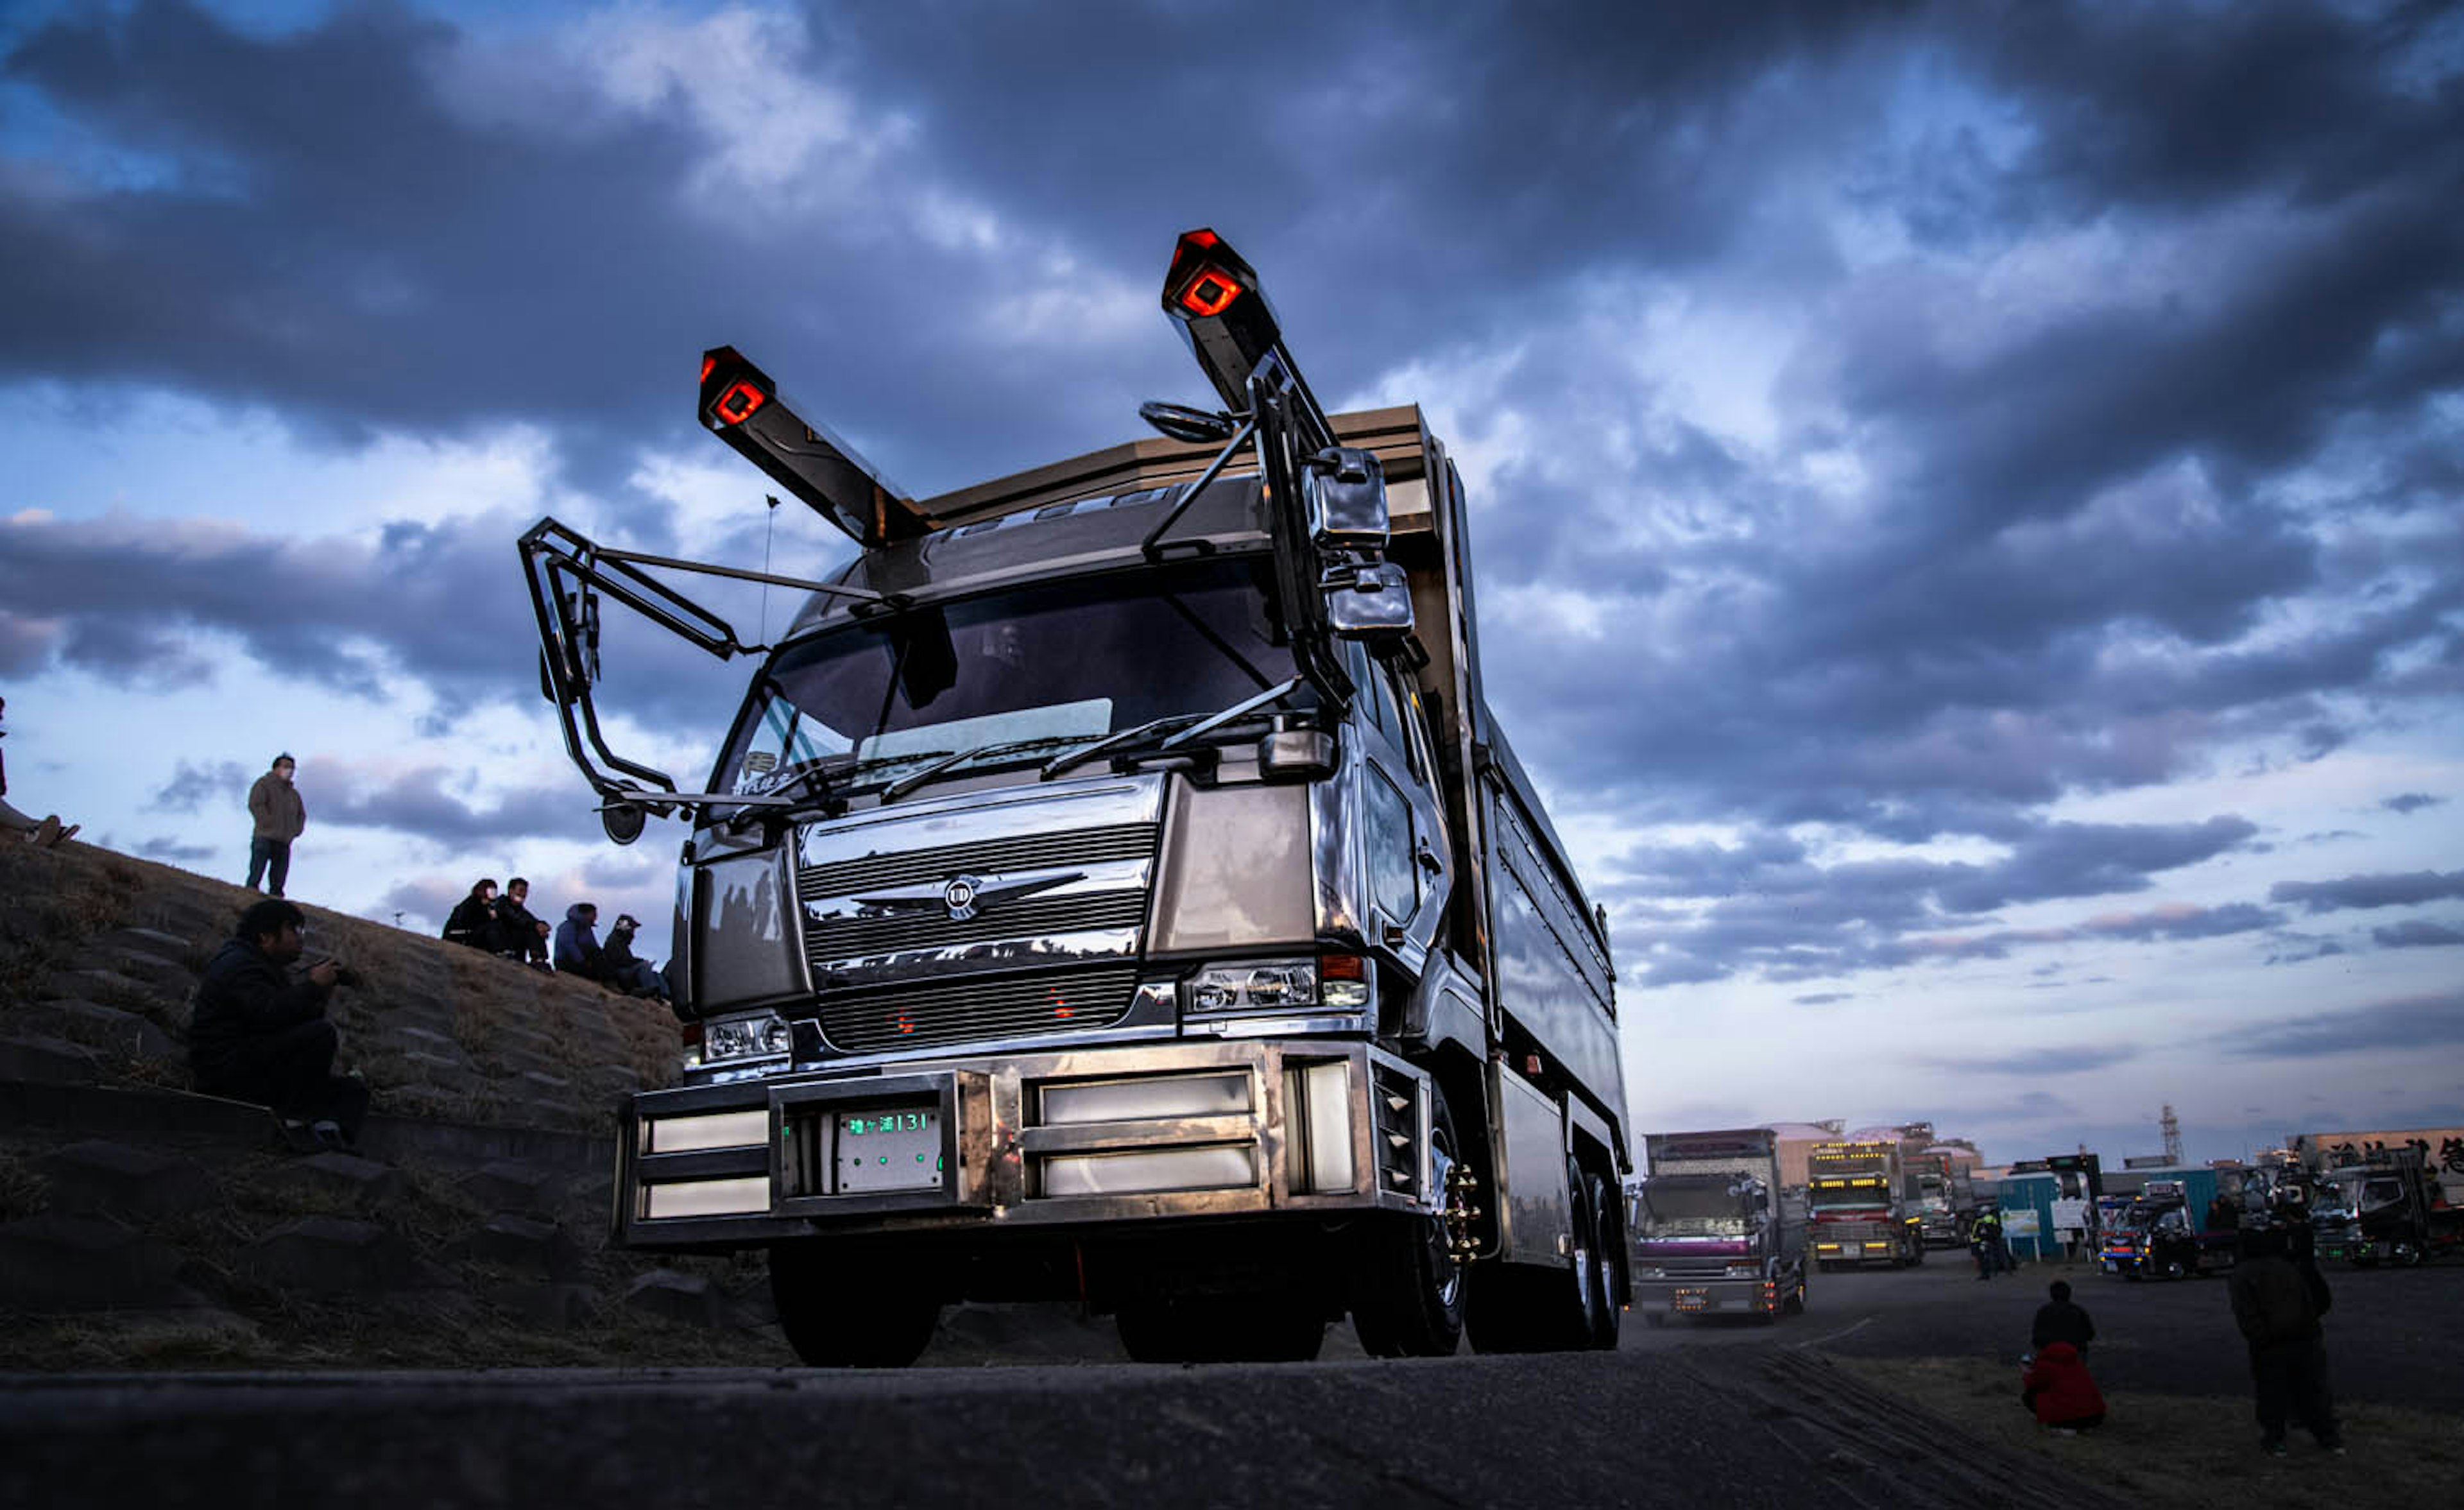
1088 1136
1705 1296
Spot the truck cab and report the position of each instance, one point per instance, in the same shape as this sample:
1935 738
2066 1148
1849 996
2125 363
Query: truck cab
2161 1235
1115 887
2386 1209
1858 1208
1713 1234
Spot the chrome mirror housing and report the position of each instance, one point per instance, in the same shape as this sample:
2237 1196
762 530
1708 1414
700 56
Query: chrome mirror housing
1374 605
1345 489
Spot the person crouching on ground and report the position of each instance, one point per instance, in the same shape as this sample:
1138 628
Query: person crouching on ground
2057 1386
474 919
259 1035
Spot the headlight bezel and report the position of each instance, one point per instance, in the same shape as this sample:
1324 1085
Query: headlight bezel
1279 986
746 1039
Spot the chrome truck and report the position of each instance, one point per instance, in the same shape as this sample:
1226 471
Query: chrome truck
1931 1189
1712 1233
1858 1208
1115 888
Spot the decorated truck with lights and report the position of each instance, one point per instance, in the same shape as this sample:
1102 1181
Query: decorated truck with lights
1117 888
1933 1192
1713 1232
1858 1205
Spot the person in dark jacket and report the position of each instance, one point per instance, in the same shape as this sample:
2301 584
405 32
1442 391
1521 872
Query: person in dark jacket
474 920
277 815
2057 1386
519 936
2276 1303
260 1034
577 941
2060 1320
620 968
1984 1236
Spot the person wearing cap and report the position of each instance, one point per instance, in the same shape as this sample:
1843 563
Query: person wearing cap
278 814
620 969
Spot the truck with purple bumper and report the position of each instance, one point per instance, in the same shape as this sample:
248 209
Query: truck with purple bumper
1115 888
1714 1234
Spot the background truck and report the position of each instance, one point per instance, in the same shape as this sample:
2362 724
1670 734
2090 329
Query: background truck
1930 1189
1712 1233
1115 887
2385 1209
1857 1206
2166 1232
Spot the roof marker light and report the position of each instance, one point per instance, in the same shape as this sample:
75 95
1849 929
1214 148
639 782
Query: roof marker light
1210 293
738 404
708 363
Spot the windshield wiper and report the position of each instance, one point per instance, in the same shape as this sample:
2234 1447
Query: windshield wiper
917 778
1197 724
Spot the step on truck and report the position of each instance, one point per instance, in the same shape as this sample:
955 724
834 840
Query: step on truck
1117 888
1712 1233
1858 1207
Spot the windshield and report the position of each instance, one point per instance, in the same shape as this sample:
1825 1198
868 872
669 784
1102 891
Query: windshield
1029 672
1684 1208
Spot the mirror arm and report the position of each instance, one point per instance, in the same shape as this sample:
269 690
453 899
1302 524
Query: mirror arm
1152 547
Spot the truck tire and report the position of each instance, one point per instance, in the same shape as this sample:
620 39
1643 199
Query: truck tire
1220 1329
1607 1242
1525 1308
838 1316
1408 1291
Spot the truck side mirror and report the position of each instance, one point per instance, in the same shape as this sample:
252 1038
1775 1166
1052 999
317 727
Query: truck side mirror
1372 604
1345 490
624 821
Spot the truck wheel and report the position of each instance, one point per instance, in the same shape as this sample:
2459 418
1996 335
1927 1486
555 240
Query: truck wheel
838 1316
2173 1269
1796 1304
1408 1299
1220 1329
1608 1240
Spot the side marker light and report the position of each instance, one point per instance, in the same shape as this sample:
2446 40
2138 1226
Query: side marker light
738 404
1209 292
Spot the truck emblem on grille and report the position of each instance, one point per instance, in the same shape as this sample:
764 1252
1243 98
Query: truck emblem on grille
965 896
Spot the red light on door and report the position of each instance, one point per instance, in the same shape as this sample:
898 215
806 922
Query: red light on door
738 404
1209 292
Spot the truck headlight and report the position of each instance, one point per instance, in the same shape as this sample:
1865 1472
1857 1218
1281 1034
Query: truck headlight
1745 1271
1339 982
762 1037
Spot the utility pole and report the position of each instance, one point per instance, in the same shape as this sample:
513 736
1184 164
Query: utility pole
2173 1127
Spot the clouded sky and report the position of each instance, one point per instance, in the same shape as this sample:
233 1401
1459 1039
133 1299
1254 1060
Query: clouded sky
1966 497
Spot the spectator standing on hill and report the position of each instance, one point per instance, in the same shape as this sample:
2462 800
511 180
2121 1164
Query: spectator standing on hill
519 936
2276 1303
622 969
577 941
276 808
260 1034
2058 1321
46 830
474 920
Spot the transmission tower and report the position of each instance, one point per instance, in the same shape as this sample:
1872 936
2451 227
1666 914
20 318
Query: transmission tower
2172 1126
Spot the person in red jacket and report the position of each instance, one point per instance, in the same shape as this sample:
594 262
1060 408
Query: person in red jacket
2058 1389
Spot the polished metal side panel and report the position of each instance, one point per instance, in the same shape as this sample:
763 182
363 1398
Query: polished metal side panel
744 951
1535 1216
1549 981
1445 1008
1338 890
1235 871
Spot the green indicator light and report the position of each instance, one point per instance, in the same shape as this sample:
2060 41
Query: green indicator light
885 1158
919 1158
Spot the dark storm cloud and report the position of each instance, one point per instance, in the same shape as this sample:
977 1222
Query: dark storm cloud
2423 1024
194 784
2370 891
2410 802
2418 933
418 802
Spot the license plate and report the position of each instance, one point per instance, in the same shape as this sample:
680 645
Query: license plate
1690 1300
898 1148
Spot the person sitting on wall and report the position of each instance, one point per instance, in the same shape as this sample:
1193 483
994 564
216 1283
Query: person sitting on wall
2057 1386
473 921
577 941
519 936
620 968
260 1033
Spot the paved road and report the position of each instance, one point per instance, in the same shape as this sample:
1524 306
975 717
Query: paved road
2391 1336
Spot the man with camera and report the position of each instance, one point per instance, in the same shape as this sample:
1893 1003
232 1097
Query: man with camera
620 968
260 1033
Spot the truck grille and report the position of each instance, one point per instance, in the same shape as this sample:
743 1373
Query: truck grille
920 1016
1125 841
851 938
